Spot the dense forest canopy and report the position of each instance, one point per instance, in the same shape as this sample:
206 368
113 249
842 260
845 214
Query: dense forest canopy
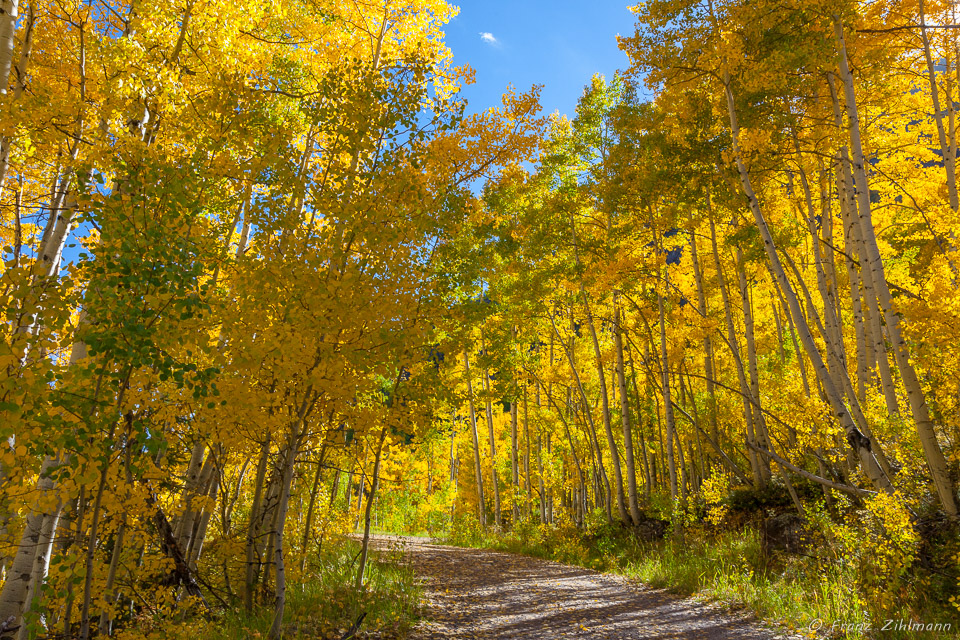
253 297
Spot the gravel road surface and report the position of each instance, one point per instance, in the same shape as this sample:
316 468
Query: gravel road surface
475 593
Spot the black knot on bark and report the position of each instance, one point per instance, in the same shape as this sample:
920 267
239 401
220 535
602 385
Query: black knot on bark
858 441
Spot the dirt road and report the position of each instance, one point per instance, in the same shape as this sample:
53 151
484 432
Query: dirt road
475 593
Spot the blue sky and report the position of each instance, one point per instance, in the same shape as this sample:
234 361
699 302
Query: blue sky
559 44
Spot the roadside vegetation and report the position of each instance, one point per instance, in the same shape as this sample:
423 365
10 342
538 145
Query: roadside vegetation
828 581
324 604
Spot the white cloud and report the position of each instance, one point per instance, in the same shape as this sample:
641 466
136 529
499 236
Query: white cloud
489 38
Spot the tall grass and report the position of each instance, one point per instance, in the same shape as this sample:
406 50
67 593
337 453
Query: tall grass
326 602
731 568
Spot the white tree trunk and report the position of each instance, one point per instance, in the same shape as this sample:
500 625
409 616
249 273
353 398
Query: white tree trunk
41 563
290 458
949 160
13 597
528 484
514 462
745 392
756 408
200 534
667 404
488 410
605 405
936 462
196 470
481 506
858 442
589 417
19 86
707 340
625 416
9 12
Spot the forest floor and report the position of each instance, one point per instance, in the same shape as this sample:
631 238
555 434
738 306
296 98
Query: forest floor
476 593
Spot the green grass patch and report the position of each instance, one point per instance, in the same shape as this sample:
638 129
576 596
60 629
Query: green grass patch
327 603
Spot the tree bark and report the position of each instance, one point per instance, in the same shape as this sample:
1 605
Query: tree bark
366 526
488 410
625 416
253 528
514 462
587 414
858 442
289 461
20 71
936 462
732 342
667 405
8 25
197 477
949 161
41 564
481 505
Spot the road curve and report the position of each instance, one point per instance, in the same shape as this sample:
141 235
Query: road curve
475 593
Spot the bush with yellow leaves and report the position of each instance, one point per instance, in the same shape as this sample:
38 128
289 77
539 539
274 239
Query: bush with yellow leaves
713 491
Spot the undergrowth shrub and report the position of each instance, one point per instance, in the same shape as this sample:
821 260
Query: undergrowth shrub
322 605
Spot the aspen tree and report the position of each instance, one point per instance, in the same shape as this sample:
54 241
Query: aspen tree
13 597
254 526
291 450
756 426
514 463
667 404
936 462
707 341
648 479
366 526
308 525
745 390
20 73
858 442
9 14
625 415
527 484
949 160
478 470
540 485
588 415
488 411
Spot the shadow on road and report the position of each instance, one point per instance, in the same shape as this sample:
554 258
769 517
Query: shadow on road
475 593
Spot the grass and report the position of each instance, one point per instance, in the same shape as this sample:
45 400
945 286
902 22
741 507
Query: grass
326 603
730 568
